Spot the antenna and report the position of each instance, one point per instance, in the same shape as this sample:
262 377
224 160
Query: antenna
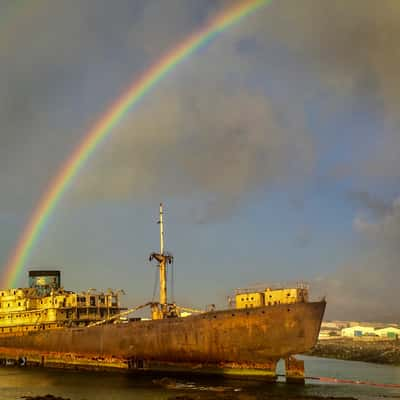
161 230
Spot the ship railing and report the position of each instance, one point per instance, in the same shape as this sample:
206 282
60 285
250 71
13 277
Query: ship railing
262 287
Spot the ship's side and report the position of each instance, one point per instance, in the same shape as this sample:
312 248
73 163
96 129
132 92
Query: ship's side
243 338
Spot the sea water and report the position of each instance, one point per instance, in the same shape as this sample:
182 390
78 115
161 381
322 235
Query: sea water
15 383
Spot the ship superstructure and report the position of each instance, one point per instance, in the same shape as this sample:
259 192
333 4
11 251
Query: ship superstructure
46 305
271 296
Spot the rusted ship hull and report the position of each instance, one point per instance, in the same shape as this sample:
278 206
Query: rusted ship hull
230 340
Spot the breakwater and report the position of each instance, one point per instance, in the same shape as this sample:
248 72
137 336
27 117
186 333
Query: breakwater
376 351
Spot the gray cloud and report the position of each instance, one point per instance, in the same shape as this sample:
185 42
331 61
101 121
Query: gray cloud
62 64
366 289
212 141
372 203
352 46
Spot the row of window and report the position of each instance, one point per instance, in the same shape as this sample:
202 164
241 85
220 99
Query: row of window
9 316
270 303
29 328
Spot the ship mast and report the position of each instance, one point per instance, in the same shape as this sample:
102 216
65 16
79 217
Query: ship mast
163 259
163 265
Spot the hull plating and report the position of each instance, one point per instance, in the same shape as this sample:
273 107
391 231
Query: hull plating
246 338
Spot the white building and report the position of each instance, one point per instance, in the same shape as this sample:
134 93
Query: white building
389 332
357 331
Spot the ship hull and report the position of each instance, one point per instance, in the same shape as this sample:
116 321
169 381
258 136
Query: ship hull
239 340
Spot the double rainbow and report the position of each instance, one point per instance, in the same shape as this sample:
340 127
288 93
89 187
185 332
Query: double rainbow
103 127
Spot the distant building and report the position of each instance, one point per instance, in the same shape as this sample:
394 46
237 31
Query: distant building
339 325
358 331
389 332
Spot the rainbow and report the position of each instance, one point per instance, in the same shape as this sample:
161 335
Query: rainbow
103 127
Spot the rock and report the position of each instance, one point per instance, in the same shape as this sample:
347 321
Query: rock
168 383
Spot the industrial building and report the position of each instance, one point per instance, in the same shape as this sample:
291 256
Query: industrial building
389 332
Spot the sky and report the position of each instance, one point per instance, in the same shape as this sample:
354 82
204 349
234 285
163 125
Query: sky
275 148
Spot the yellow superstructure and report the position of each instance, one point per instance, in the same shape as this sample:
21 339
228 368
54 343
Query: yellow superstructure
247 298
250 299
31 309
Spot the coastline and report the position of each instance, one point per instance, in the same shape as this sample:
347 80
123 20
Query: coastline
373 351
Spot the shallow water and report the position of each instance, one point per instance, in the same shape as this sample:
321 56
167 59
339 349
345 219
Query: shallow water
15 383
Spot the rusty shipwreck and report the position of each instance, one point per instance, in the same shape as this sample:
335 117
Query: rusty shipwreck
45 325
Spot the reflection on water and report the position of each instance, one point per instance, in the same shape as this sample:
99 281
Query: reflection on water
15 383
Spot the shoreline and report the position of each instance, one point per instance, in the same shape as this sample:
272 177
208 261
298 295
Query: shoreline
373 351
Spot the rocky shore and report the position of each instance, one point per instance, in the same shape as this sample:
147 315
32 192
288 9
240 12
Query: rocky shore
382 352
217 397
